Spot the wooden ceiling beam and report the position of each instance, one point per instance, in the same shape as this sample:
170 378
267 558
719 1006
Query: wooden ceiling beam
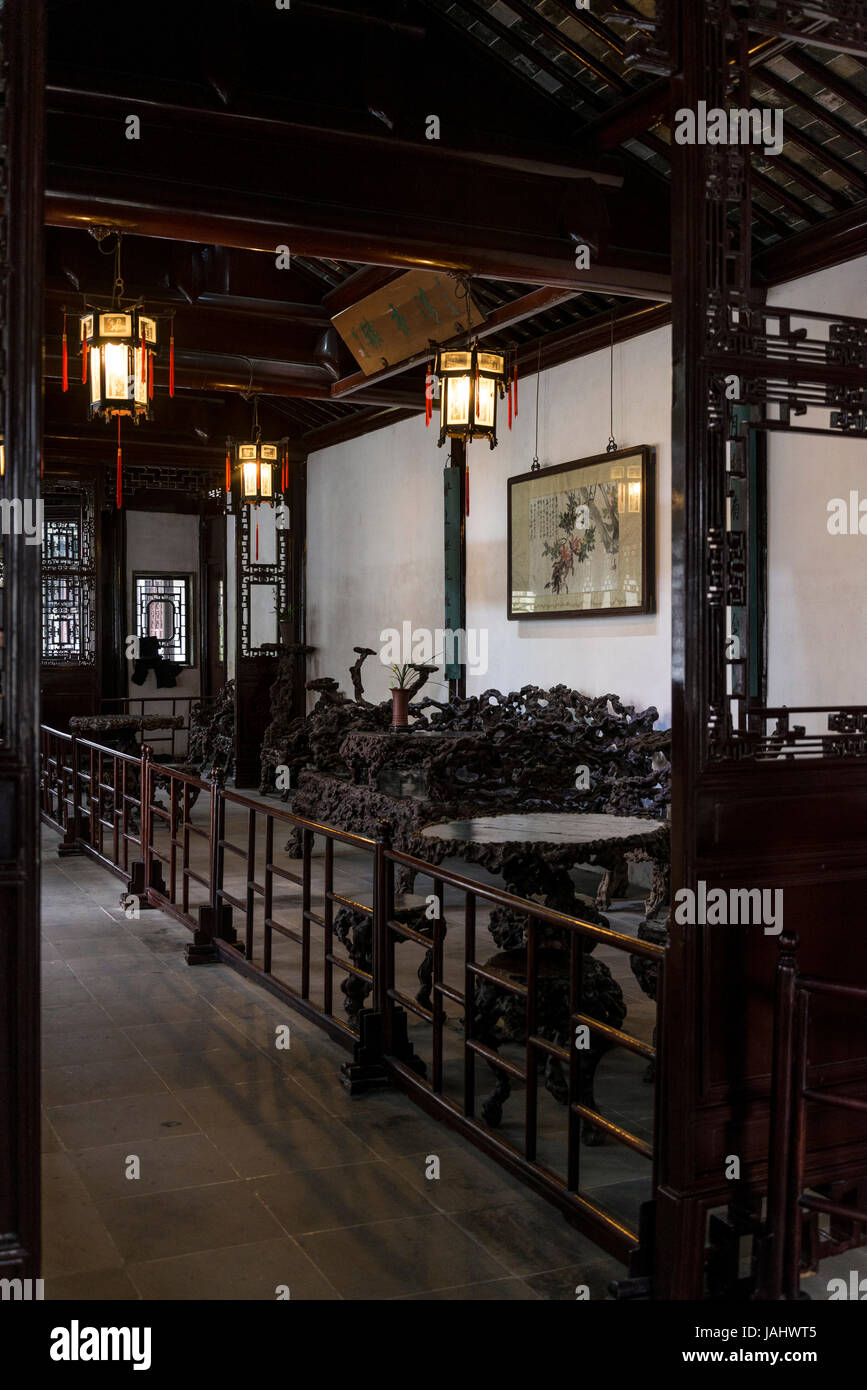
837 240
633 118
313 140
383 239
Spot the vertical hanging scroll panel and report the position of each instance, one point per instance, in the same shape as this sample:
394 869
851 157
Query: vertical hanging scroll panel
22 37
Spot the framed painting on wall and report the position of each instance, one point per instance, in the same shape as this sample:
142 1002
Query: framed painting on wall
581 538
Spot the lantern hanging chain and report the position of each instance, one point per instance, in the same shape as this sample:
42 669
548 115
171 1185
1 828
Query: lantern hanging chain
535 464
612 444
118 287
463 292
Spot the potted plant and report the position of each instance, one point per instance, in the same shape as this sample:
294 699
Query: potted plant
284 620
400 696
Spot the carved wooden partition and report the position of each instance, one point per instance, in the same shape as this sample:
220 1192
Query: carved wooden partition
21 154
753 806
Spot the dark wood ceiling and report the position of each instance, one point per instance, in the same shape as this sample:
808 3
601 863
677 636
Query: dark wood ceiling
307 127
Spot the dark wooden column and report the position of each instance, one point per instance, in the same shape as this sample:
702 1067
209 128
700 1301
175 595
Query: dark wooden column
22 35
791 824
455 556
212 570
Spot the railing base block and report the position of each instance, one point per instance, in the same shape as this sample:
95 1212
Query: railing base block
135 887
201 953
631 1288
367 1070
358 1078
213 924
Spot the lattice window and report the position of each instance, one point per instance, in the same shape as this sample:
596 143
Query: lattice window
163 604
68 575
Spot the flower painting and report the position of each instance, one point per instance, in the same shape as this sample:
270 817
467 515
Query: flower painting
581 537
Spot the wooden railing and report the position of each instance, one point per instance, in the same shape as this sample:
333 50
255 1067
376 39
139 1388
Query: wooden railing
788 1198
93 795
228 894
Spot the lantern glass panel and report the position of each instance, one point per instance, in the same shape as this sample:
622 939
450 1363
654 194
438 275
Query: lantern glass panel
115 325
141 386
250 477
117 371
456 400
485 395
266 488
95 382
455 362
491 362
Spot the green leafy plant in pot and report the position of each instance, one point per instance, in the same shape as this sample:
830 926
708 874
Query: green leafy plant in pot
400 696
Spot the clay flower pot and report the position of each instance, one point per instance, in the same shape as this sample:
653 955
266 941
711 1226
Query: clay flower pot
286 632
399 708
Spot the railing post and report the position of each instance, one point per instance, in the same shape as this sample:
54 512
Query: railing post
71 843
780 1197
367 1070
142 875
215 917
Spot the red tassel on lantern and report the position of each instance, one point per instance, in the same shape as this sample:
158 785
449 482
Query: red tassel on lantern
172 364
509 394
150 376
515 387
65 364
143 354
467 487
257 538
228 470
119 488
83 360
428 396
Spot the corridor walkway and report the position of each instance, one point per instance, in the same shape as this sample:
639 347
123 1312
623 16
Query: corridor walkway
257 1172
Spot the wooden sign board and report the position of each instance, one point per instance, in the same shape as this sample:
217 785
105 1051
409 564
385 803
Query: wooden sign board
400 319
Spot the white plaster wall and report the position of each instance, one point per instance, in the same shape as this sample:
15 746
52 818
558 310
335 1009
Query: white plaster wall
817 582
375 519
374 547
164 543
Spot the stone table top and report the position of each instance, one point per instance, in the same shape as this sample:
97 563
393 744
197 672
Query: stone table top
105 723
550 828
